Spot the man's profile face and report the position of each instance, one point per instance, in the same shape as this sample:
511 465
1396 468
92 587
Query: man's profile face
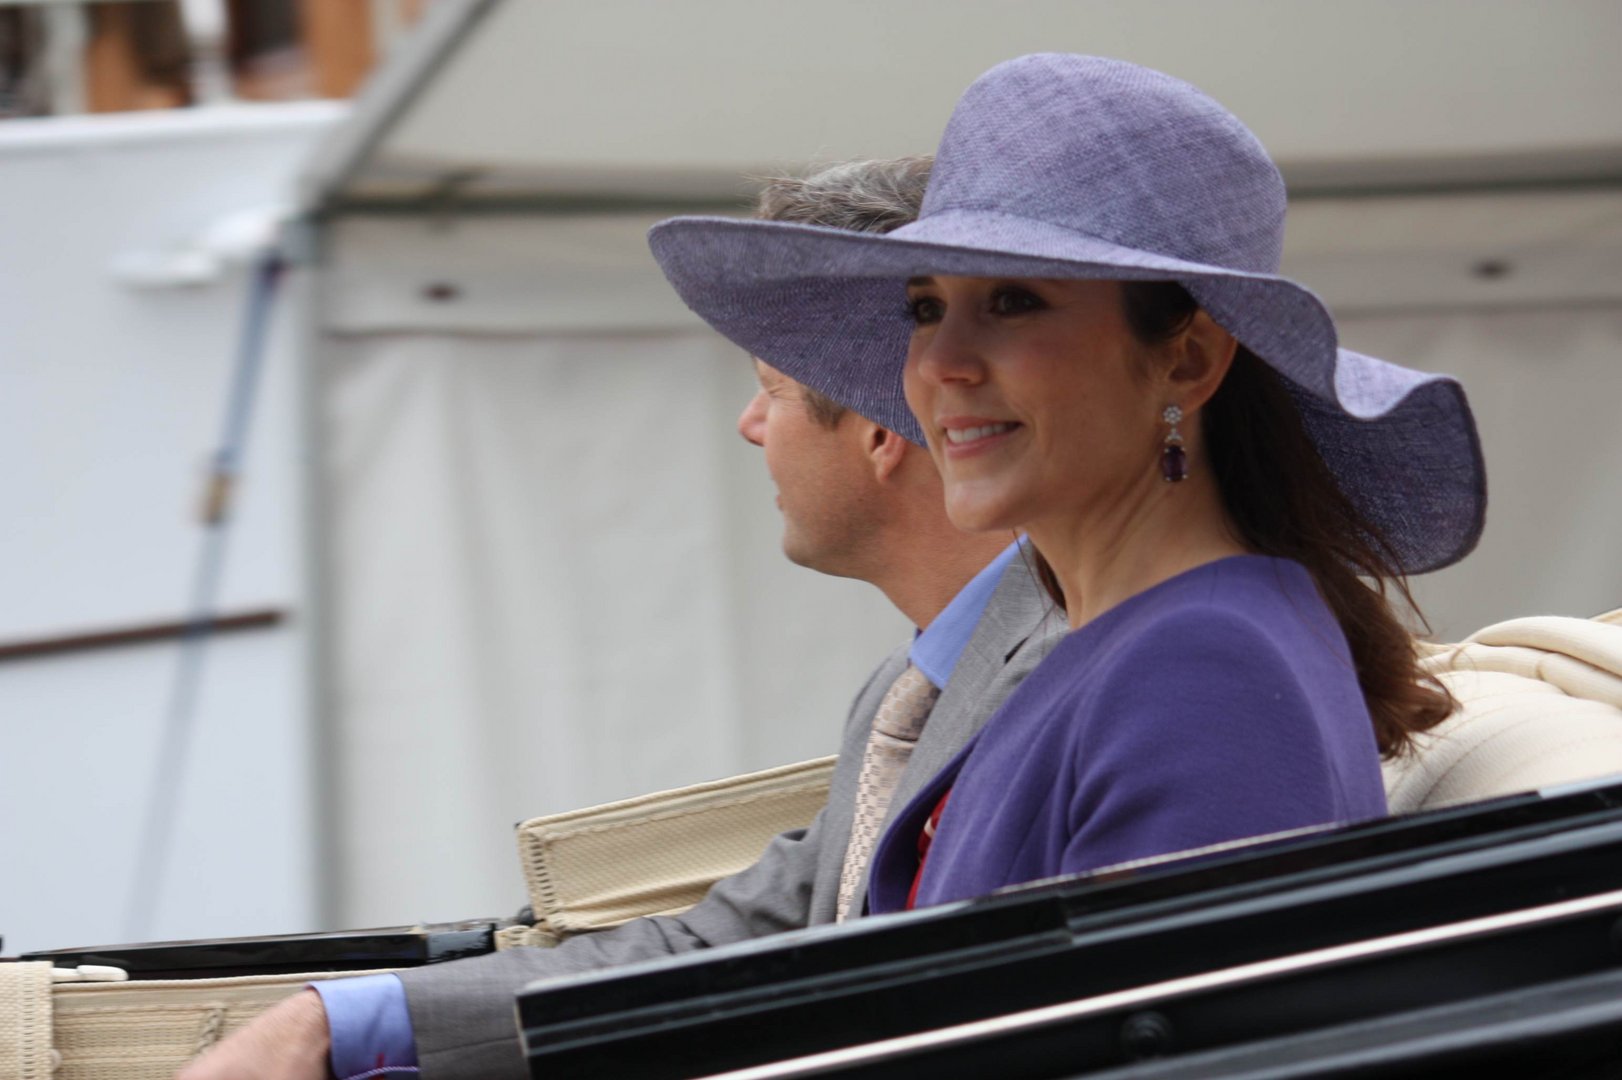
822 474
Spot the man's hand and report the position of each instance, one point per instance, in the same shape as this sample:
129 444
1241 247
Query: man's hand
289 1041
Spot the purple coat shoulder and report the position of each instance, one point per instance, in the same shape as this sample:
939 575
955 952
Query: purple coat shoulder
1217 705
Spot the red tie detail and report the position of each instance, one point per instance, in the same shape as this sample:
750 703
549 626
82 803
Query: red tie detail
925 839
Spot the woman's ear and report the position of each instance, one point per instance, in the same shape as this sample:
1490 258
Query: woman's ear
885 450
1201 356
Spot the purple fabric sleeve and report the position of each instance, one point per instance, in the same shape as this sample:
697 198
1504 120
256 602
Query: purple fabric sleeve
370 1027
1211 738
1217 705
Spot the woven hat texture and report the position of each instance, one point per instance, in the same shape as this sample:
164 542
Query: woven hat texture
1062 166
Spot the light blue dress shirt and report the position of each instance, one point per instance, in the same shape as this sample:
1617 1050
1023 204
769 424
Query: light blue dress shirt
935 650
368 1018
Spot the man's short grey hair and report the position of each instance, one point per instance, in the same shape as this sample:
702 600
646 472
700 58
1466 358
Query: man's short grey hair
859 196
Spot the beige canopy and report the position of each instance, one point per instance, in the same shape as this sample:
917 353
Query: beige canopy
536 99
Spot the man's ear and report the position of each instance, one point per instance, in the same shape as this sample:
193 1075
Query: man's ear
1201 357
885 450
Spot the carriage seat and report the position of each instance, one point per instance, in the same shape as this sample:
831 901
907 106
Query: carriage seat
1540 704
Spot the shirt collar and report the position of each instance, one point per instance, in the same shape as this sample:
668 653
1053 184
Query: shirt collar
935 651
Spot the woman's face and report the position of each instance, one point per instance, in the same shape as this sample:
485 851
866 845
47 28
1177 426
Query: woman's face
1036 400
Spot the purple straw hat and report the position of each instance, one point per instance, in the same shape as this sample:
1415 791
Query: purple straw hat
1061 166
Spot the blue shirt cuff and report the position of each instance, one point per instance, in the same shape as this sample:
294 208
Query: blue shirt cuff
370 1026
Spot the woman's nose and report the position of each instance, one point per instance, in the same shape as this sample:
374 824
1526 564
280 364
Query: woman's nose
949 352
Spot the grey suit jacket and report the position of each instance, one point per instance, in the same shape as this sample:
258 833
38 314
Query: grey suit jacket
462 1012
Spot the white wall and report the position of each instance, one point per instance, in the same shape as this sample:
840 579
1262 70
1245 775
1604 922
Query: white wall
111 401
1544 383
82 733
1538 347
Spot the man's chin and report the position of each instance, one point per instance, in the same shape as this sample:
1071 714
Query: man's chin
800 551
797 554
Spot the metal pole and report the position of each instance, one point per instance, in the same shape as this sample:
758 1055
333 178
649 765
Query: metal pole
174 748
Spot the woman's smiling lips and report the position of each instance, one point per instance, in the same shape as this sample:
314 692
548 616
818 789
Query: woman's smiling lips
965 435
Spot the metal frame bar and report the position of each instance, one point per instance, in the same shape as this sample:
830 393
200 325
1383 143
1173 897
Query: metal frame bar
1034 1019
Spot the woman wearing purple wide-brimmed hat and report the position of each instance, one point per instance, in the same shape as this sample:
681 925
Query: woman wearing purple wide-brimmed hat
1087 328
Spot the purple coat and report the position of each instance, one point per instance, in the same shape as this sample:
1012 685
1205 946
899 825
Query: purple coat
1219 704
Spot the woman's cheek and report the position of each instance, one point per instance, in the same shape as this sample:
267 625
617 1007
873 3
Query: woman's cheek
913 388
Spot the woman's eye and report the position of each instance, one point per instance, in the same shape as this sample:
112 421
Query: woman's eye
925 309
1014 301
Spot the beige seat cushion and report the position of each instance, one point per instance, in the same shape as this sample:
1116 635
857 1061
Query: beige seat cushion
1540 704
126 1030
657 854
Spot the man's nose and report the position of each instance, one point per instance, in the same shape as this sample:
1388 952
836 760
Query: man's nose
752 421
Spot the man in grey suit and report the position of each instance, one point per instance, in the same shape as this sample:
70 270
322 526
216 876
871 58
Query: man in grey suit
857 501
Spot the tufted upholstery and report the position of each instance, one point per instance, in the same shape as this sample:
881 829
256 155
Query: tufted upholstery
1540 705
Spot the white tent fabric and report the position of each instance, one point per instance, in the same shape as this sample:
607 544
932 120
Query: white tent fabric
514 97
554 564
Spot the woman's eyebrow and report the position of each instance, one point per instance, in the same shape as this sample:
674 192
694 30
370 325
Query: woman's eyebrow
920 281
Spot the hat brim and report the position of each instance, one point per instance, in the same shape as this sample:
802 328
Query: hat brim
828 308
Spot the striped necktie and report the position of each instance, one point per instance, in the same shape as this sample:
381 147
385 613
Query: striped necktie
896 727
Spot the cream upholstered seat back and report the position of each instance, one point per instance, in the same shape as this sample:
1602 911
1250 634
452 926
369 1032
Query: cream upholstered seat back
1540 704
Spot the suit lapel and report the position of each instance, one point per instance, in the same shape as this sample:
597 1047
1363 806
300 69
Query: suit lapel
1018 615
1017 629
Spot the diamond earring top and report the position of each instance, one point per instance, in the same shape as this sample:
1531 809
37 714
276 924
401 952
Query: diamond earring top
1173 458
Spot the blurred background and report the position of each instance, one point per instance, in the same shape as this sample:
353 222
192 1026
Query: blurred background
367 490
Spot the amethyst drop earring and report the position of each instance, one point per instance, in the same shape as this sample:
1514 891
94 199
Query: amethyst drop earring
1173 459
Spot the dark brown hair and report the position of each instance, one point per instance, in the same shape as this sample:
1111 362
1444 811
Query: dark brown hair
858 196
1284 501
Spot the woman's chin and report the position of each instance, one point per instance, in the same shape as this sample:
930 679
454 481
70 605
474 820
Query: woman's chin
979 515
